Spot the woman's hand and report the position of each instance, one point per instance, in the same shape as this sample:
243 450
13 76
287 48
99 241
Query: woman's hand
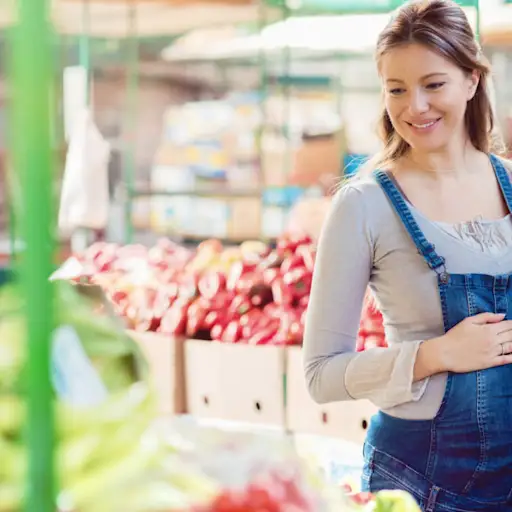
478 342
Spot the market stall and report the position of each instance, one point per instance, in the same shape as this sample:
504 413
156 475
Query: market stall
176 379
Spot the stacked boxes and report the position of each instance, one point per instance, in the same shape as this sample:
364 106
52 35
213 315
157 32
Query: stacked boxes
211 178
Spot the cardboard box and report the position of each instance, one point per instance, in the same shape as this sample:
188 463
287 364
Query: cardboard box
216 216
211 217
165 357
173 214
141 212
316 161
276 162
235 382
203 362
253 382
346 420
245 218
170 155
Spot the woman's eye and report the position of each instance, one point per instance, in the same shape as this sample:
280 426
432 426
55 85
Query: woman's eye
396 91
435 85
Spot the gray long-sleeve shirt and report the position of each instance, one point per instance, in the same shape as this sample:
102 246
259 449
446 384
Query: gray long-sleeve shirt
364 243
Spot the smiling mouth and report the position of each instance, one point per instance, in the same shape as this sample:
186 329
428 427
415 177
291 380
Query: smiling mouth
423 126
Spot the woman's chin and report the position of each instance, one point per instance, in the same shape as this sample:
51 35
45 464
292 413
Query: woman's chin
429 145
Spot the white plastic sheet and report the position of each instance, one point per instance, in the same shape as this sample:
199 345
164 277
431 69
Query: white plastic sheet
85 196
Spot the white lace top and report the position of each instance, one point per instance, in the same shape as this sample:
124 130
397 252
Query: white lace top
491 237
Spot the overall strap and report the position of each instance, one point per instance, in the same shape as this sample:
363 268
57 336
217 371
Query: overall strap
503 177
425 248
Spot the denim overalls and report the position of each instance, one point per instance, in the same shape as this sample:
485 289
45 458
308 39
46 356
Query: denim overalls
462 459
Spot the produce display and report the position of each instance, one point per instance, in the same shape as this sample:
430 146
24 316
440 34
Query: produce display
111 457
250 293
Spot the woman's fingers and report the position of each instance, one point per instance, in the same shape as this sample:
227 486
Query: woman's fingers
488 318
501 327
503 360
505 348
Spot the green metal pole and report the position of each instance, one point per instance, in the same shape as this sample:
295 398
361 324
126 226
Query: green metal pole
131 118
32 158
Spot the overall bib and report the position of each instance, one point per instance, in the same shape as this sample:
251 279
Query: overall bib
461 460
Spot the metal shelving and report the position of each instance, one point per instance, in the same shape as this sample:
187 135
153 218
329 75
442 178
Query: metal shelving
285 80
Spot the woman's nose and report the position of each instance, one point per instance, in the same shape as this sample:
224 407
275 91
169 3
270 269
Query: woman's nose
418 103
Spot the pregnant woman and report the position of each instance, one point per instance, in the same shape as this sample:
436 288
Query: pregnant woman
428 227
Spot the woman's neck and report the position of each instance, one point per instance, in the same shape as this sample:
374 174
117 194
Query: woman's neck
455 163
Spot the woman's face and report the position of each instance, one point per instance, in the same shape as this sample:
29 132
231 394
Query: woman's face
425 96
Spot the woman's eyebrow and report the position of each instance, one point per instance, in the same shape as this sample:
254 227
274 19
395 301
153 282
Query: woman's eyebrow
424 77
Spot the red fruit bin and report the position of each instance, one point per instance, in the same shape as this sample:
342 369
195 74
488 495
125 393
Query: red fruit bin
345 420
235 382
164 354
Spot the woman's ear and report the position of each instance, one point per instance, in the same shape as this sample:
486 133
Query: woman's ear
474 80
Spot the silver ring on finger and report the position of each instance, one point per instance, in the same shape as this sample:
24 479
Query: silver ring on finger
502 349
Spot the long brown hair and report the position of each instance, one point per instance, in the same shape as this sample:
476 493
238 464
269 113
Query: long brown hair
442 26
